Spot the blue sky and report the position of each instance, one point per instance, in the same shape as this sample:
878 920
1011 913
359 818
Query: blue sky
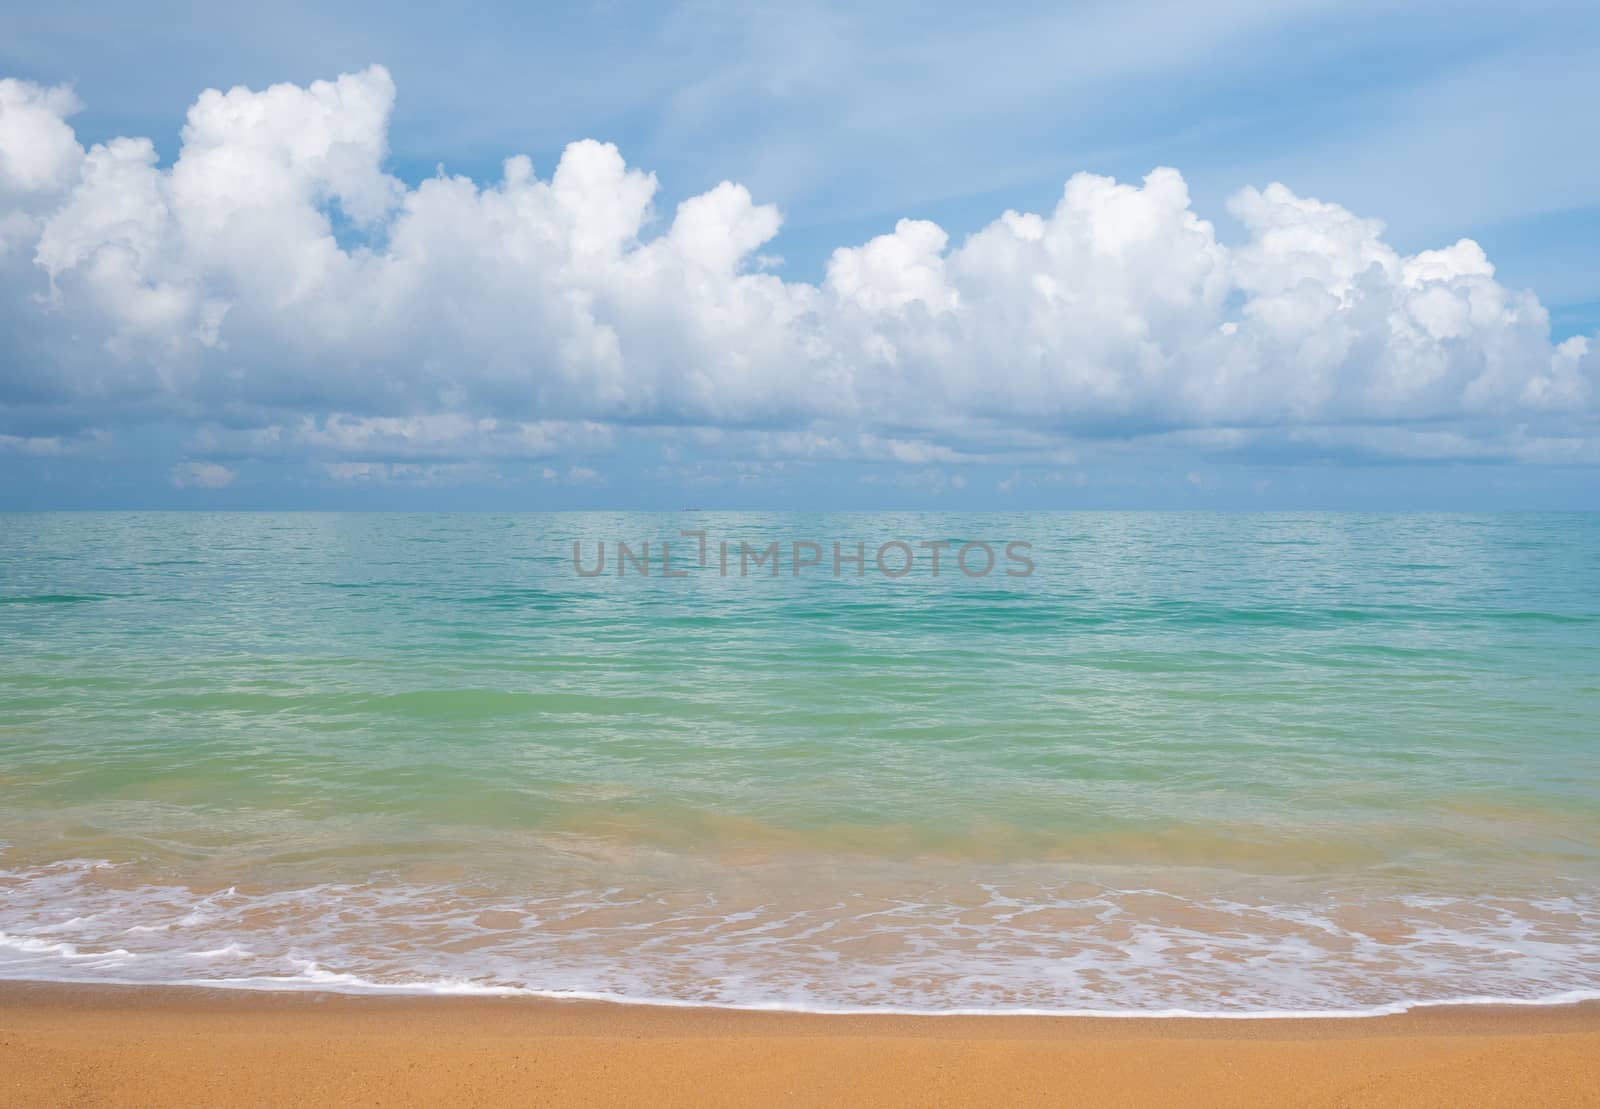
744 363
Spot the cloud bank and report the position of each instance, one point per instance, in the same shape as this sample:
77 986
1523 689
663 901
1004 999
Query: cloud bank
275 290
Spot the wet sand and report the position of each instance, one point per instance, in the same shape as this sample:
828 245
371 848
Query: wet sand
126 1046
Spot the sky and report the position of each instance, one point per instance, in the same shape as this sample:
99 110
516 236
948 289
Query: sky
871 255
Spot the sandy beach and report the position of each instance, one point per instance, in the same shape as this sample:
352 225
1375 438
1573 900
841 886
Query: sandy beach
135 1046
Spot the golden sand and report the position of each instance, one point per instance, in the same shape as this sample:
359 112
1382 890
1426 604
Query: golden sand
91 1046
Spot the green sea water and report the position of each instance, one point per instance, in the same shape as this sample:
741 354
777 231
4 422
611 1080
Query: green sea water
1238 763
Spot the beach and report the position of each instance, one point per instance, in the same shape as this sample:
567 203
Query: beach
138 1046
815 554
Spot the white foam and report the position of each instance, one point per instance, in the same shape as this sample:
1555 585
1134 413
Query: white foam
329 982
992 948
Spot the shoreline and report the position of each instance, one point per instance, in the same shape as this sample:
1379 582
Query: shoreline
468 991
188 1045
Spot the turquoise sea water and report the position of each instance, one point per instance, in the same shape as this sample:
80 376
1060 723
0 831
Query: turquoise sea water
1217 763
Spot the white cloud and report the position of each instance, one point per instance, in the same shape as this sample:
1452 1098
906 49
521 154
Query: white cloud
278 288
30 444
1040 480
427 435
408 473
38 151
202 475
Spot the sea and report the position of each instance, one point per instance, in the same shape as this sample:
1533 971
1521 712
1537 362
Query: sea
1230 764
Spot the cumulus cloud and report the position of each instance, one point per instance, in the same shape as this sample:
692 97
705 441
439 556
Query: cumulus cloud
38 151
280 291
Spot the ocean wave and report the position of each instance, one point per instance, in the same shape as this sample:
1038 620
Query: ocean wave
1021 948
